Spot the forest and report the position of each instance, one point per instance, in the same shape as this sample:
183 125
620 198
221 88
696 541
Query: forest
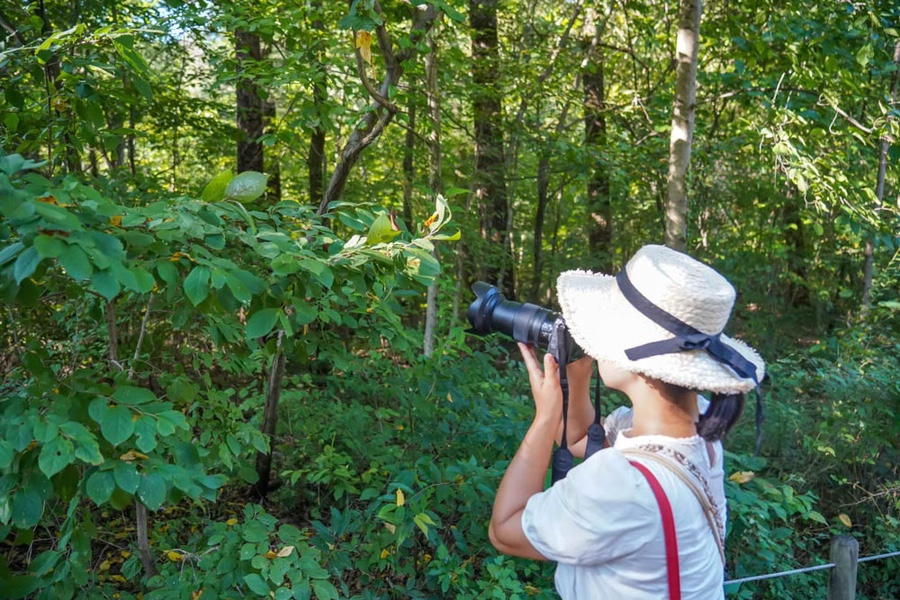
239 239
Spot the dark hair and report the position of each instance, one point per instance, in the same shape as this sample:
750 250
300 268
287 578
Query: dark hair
720 417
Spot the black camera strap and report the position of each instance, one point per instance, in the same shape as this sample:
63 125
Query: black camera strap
562 457
563 460
596 435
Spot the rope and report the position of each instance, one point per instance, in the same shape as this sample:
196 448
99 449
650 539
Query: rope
876 557
807 569
781 574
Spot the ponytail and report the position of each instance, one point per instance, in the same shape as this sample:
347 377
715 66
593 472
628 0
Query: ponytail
720 417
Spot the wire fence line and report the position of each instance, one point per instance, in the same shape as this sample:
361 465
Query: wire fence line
807 569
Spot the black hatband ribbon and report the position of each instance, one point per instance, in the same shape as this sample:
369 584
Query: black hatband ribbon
687 338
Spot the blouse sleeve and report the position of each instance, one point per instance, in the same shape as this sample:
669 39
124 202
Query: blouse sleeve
602 510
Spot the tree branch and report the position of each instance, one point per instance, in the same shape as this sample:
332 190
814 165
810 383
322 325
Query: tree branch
381 113
5 24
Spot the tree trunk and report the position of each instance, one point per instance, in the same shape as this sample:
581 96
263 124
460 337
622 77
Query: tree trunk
250 118
435 183
869 264
54 86
795 240
682 122
315 160
270 417
273 184
543 185
490 162
598 186
409 165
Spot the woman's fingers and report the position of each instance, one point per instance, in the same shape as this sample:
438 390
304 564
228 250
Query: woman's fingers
544 381
535 375
551 371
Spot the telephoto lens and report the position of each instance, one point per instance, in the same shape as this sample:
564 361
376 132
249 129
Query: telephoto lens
527 323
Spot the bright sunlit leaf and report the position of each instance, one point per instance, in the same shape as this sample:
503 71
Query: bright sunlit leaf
742 476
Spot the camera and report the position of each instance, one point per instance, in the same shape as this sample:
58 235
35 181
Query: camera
526 323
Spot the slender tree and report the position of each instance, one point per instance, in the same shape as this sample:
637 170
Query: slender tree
885 146
682 122
489 179
598 185
435 178
315 159
250 105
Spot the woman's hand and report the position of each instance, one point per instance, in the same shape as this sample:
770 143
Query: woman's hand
545 386
547 394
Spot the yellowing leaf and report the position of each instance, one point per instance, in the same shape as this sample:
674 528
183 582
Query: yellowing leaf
285 552
742 476
174 556
364 44
401 499
381 230
196 594
132 455
116 221
270 555
845 520
104 566
390 527
232 521
385 553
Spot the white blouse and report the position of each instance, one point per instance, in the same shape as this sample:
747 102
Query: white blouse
602 524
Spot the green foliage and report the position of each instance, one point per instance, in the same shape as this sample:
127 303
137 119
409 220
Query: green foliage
250 557
140 322
83 425
830 467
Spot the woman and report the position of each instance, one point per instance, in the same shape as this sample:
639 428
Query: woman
655 331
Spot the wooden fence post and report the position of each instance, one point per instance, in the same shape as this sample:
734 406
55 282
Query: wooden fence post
845 556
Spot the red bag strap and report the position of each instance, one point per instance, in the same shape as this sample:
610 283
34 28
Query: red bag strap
671 538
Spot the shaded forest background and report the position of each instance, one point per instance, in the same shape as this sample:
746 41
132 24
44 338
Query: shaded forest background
238 241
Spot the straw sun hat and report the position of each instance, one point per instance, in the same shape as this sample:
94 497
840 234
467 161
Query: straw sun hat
627 320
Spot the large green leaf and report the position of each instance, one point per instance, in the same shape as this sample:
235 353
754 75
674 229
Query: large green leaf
196 285
215 189
324 589
261 322
257 584
26 508
246 186
49 246
58 216
26 264
145 433
126 476
117 425
152 490
10 252
76 263
99 486
106 284
129 394
56 455
238 288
